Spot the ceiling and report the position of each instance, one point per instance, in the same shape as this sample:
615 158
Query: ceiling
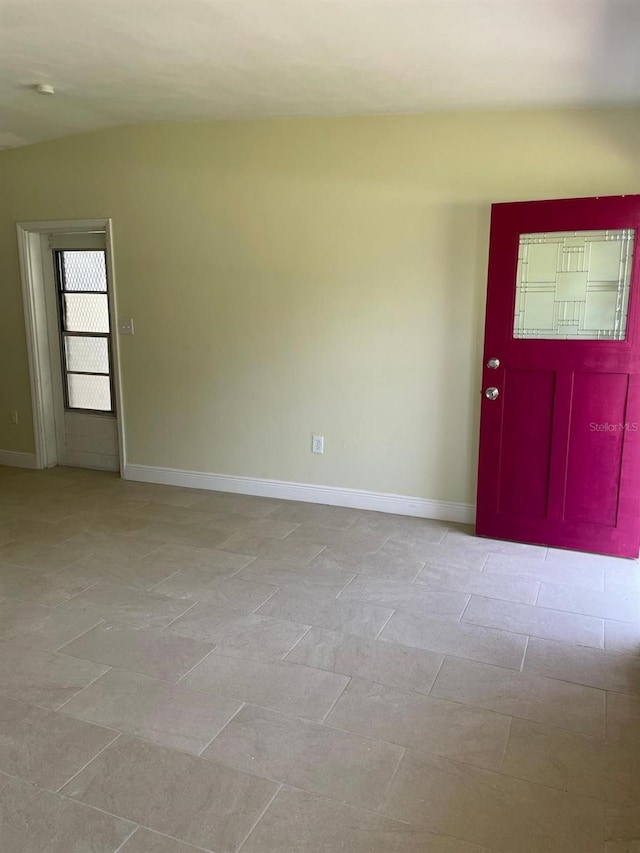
116 62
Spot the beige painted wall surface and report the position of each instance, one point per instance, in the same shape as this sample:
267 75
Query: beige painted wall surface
297 276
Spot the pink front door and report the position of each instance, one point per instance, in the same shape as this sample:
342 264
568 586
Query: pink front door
560 413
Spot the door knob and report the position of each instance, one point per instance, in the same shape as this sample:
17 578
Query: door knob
493 363
491 393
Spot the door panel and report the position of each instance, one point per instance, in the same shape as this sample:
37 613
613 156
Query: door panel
559 446
598 418
526 442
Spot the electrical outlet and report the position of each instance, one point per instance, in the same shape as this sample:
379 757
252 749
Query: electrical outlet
125 326
13 418
317 444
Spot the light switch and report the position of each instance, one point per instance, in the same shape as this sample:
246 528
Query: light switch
125 327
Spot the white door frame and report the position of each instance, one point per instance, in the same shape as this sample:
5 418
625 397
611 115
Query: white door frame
33 296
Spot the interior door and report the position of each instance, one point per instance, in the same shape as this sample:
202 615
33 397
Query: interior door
79 325
560 415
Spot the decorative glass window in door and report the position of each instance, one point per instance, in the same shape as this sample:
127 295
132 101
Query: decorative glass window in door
84 329
573 285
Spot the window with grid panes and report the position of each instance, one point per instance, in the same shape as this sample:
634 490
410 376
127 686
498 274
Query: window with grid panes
85 332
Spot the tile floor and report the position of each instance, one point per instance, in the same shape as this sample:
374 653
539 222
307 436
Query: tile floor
190 671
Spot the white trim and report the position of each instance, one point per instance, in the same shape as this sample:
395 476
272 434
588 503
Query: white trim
333 495
115 344
39 373
15 459
37 333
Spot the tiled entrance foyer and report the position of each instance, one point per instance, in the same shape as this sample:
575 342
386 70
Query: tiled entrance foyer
184 670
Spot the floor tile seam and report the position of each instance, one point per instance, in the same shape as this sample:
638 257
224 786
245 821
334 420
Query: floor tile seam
564 790
242 568
289 586
200 754
542 607
423 565
539 590
377 550
296 787
347 584
226 696
240 615
556 609
336 700
77 801
346 635
276 590
38 574
188 844
275 660
528 633
287 561
475 768
580 683
164 580
386 622
146 739
86 686
31 566
520 716
340 729
202 659
533 578
20 601
180 615
157 679
353 577
465 705
421 588
442 662
127 839
84 766
314 598
297 642
505 746
465 608
286 786
524 653
513 671
356 675
75 595
387 789
579 647
451 621
595 741
470 593
260 816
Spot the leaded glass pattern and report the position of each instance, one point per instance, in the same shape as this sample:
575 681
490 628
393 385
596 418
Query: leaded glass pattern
84 270
86 312
89 391
85 329
573 285
87 355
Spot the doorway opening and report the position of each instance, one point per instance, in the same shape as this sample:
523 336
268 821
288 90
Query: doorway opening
69 296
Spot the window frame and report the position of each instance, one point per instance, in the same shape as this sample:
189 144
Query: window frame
63 333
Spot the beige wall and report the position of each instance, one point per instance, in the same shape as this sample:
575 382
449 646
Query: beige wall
297 276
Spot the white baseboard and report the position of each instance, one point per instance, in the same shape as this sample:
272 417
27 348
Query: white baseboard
16 459
333 495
